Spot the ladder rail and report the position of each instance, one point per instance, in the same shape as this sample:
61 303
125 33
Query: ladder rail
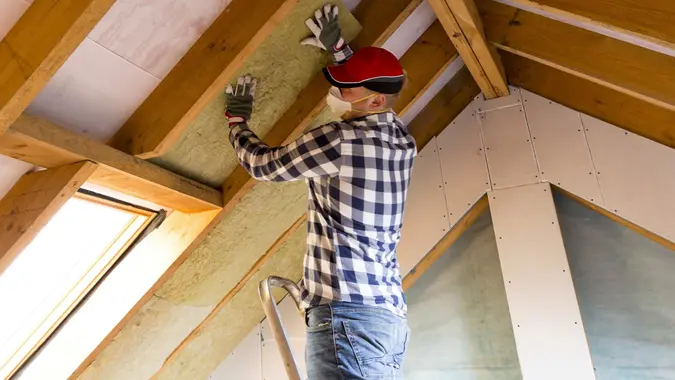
274 319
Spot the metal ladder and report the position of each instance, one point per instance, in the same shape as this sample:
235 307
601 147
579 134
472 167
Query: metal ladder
272 313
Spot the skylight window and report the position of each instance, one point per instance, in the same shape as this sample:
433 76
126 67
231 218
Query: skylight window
57 269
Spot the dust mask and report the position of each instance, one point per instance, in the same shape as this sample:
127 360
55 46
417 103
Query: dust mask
338 105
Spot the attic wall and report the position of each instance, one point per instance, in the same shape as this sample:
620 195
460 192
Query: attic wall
624 284
458 314
283 68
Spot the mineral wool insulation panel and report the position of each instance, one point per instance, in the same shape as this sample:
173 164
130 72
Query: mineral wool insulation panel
546 319
636 175
465 176
425 220
560 145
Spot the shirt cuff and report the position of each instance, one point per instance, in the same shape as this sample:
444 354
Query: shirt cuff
342 55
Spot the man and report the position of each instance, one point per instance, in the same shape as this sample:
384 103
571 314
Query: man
357 171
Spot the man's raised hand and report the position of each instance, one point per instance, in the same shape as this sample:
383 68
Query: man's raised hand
240 100
327 34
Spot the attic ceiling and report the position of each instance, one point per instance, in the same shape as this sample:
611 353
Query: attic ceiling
207 299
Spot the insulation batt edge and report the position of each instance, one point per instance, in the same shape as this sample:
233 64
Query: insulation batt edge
240 239
283 68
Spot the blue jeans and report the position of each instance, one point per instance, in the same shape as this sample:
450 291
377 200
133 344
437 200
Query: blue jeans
347 341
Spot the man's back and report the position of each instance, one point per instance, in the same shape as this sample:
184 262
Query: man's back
355 217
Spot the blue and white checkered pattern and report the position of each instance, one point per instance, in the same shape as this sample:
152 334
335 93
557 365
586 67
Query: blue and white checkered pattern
358 173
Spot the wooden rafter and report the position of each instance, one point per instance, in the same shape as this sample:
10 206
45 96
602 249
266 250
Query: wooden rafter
199 76
33 201
39 43
649 20
624 67
463 24
41 143
630 113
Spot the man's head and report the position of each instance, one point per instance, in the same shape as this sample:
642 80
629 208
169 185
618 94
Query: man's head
369 82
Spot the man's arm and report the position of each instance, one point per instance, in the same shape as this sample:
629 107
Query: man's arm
315 153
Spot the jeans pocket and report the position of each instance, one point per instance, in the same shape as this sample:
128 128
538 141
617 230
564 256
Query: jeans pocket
376 347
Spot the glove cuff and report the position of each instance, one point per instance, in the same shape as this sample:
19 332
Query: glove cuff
341 56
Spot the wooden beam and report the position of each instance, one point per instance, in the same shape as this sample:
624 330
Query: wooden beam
463 24
624 67
630 113
649 20
626 223
446 242
32 202
37 45
41 143
199 76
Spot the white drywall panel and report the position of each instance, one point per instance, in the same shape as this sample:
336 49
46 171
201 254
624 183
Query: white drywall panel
245 362
546 319
10 172
636 176
485 105
273 366
560 147
410 30
292 320
507 144
425 219
465 176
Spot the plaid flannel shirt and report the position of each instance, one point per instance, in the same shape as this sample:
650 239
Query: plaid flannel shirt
358 173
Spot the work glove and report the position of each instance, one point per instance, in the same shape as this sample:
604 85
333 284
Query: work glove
327 35
240 100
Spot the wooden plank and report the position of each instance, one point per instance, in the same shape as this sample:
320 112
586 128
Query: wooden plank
444 107
32 202
446 242
43 144
649 20
624 67
626 223
630 113
199 76
462 23
37 45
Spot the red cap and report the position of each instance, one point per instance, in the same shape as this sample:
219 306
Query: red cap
371 67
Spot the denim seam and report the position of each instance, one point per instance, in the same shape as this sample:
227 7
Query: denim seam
335 347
